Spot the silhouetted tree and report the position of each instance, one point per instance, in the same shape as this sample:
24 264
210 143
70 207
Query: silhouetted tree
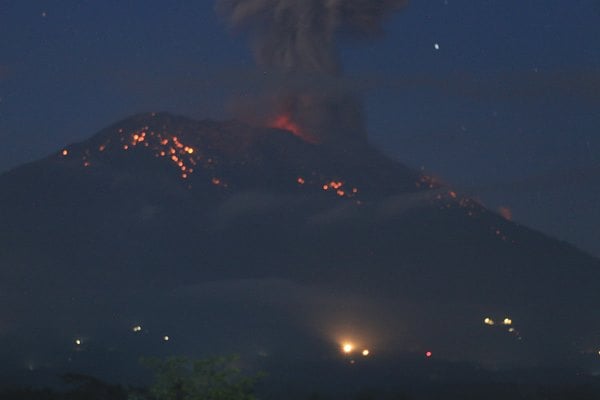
90 388
180 378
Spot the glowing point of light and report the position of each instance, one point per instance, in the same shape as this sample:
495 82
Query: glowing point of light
65 152
436 46
300 180
137 328
488 321
428 354
366 352
347 348
507 321
78 342
511 330
166 338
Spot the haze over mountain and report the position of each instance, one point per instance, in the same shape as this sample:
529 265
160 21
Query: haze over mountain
215 237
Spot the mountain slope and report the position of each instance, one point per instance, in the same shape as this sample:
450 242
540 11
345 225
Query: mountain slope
227 237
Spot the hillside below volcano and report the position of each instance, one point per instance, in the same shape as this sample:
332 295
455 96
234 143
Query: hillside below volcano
236 238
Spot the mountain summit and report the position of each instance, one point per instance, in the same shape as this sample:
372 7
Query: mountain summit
219 236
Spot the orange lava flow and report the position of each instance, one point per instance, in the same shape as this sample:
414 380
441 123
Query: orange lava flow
506 213
284 121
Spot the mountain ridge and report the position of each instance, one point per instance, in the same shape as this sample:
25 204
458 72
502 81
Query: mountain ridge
104 136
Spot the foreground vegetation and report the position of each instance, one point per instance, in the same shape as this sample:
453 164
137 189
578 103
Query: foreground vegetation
221 379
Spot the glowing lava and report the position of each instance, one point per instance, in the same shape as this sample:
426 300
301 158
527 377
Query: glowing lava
284 121
506 213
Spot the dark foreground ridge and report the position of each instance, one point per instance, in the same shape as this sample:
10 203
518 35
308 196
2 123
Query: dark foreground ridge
165 235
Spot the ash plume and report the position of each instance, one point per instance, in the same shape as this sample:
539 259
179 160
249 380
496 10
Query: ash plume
298 37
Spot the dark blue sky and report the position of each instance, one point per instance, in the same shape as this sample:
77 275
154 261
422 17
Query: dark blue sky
507 107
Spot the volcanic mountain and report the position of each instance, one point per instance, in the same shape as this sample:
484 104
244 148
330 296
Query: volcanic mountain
165 234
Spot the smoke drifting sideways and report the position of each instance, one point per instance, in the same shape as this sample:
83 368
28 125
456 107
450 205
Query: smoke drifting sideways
297 38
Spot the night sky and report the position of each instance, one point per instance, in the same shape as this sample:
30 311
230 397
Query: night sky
497 98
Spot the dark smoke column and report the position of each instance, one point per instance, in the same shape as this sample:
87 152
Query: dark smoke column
297 38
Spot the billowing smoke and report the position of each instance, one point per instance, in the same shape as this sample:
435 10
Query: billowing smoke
298 37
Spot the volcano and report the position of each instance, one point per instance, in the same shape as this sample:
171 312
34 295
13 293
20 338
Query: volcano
162 234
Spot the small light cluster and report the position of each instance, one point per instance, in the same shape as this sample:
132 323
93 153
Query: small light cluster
506 323
426 182
491 322
338 188
334 186
348 348
184 157
452 199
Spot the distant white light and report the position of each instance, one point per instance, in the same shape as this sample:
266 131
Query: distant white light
166 338
366 352
78 342
137 328
507 321
488 321
347 348
436 46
